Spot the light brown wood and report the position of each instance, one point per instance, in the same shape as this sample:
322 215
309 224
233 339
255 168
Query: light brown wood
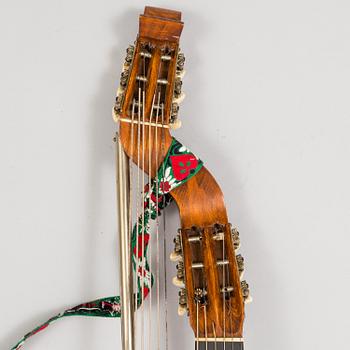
201 204
200 200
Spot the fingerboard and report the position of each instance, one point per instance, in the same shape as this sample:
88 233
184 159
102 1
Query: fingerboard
219 345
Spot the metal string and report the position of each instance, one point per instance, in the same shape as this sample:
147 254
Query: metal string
197 326
157 227
214 331
224 286
164 240
138 187
143 221
149 218
131 191
205 327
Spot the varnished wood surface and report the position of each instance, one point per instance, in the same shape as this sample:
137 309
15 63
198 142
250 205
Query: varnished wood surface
201 203
162 13
200 200
161 29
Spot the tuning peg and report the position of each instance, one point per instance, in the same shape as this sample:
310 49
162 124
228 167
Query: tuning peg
181 74
178 280
179 98
180 62
129 55
235 238
118 105
245 292
176 124
181 310
178 283
182 296
124 76
182 302
176 255
240 264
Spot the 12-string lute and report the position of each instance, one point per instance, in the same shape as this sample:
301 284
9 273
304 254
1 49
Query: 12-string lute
208 268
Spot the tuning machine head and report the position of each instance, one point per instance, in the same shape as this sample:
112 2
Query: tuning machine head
245 292
178 95
124 77
178 280
182 309
176 255
235 238
240 264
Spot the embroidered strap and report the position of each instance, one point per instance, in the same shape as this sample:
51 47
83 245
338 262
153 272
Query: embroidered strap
178 167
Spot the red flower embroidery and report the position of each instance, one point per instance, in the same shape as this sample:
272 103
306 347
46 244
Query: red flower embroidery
164 186
145 291
182 165
145 243
154 198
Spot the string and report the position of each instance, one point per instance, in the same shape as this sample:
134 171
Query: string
224 288
138 189
197 330
143 223
164 242
205 327
214 332
149 215
131 192
157 228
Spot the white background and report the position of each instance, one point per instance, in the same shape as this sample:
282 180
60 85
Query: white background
267 109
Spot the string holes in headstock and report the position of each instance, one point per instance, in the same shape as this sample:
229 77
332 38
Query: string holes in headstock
218 232
227 291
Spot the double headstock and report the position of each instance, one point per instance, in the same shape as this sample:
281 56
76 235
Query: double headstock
208 269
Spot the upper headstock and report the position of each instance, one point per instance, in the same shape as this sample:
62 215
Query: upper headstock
153 64
150 88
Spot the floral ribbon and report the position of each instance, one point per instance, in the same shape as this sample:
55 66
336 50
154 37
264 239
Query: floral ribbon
178 167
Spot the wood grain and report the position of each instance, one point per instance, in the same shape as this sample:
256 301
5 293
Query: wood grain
200 200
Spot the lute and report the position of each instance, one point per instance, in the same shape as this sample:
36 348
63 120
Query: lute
153 169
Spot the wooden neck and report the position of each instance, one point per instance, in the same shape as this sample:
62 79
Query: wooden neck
219 345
